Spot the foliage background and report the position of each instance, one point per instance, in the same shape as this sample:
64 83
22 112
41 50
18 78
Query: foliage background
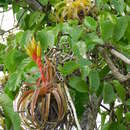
94 74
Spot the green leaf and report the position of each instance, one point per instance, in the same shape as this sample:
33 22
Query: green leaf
120 28
105 126
15 7
23 18
108 93
2 47
117 126
7 123
128 102
19 36
122 127
68 67
103 118
90 23
11 94
43 2
27 36
94 80
100 90
81 99
128 30
7 106
118 5
127 116
104 71
119 114
107 29
13 58
113 126
46 38
75 32
78 84
84 65
14 81
26 64
92 40
81 48
35 18
120 90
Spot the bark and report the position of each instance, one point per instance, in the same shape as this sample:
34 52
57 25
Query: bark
114 69
35 5
88 121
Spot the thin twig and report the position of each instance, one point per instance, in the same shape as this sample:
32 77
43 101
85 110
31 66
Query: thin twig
67 57
5 10
105 108
2 33
72 106
120 56
114 69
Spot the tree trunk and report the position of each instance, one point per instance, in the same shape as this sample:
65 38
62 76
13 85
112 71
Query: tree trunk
88 121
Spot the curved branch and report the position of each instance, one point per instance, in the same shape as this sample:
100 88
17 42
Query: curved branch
120 56
7 31
72 107
115 71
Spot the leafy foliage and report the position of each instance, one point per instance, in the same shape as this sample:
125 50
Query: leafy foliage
10 115
78 36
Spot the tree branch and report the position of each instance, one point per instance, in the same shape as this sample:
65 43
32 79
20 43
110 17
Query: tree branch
35 5
105 108
88 120
113 68
7 31
72 107
120 56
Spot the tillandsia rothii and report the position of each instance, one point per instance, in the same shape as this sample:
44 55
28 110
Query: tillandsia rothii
45 106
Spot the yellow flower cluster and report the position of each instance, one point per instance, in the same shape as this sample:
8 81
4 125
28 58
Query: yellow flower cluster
33 49
70 9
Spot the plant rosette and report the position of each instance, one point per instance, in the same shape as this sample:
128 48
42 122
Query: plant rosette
45 106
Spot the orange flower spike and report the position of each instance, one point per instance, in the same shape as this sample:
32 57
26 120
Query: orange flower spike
33 44
31 50
34 49
39 61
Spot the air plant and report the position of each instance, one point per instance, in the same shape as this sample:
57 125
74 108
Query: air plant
72 9
44 106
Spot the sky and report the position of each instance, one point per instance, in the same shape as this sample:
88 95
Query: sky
6 22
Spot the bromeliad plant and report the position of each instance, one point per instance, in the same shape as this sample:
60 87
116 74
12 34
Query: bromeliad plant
45 106
71 9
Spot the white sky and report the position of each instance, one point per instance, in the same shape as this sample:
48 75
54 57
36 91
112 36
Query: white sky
8 20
